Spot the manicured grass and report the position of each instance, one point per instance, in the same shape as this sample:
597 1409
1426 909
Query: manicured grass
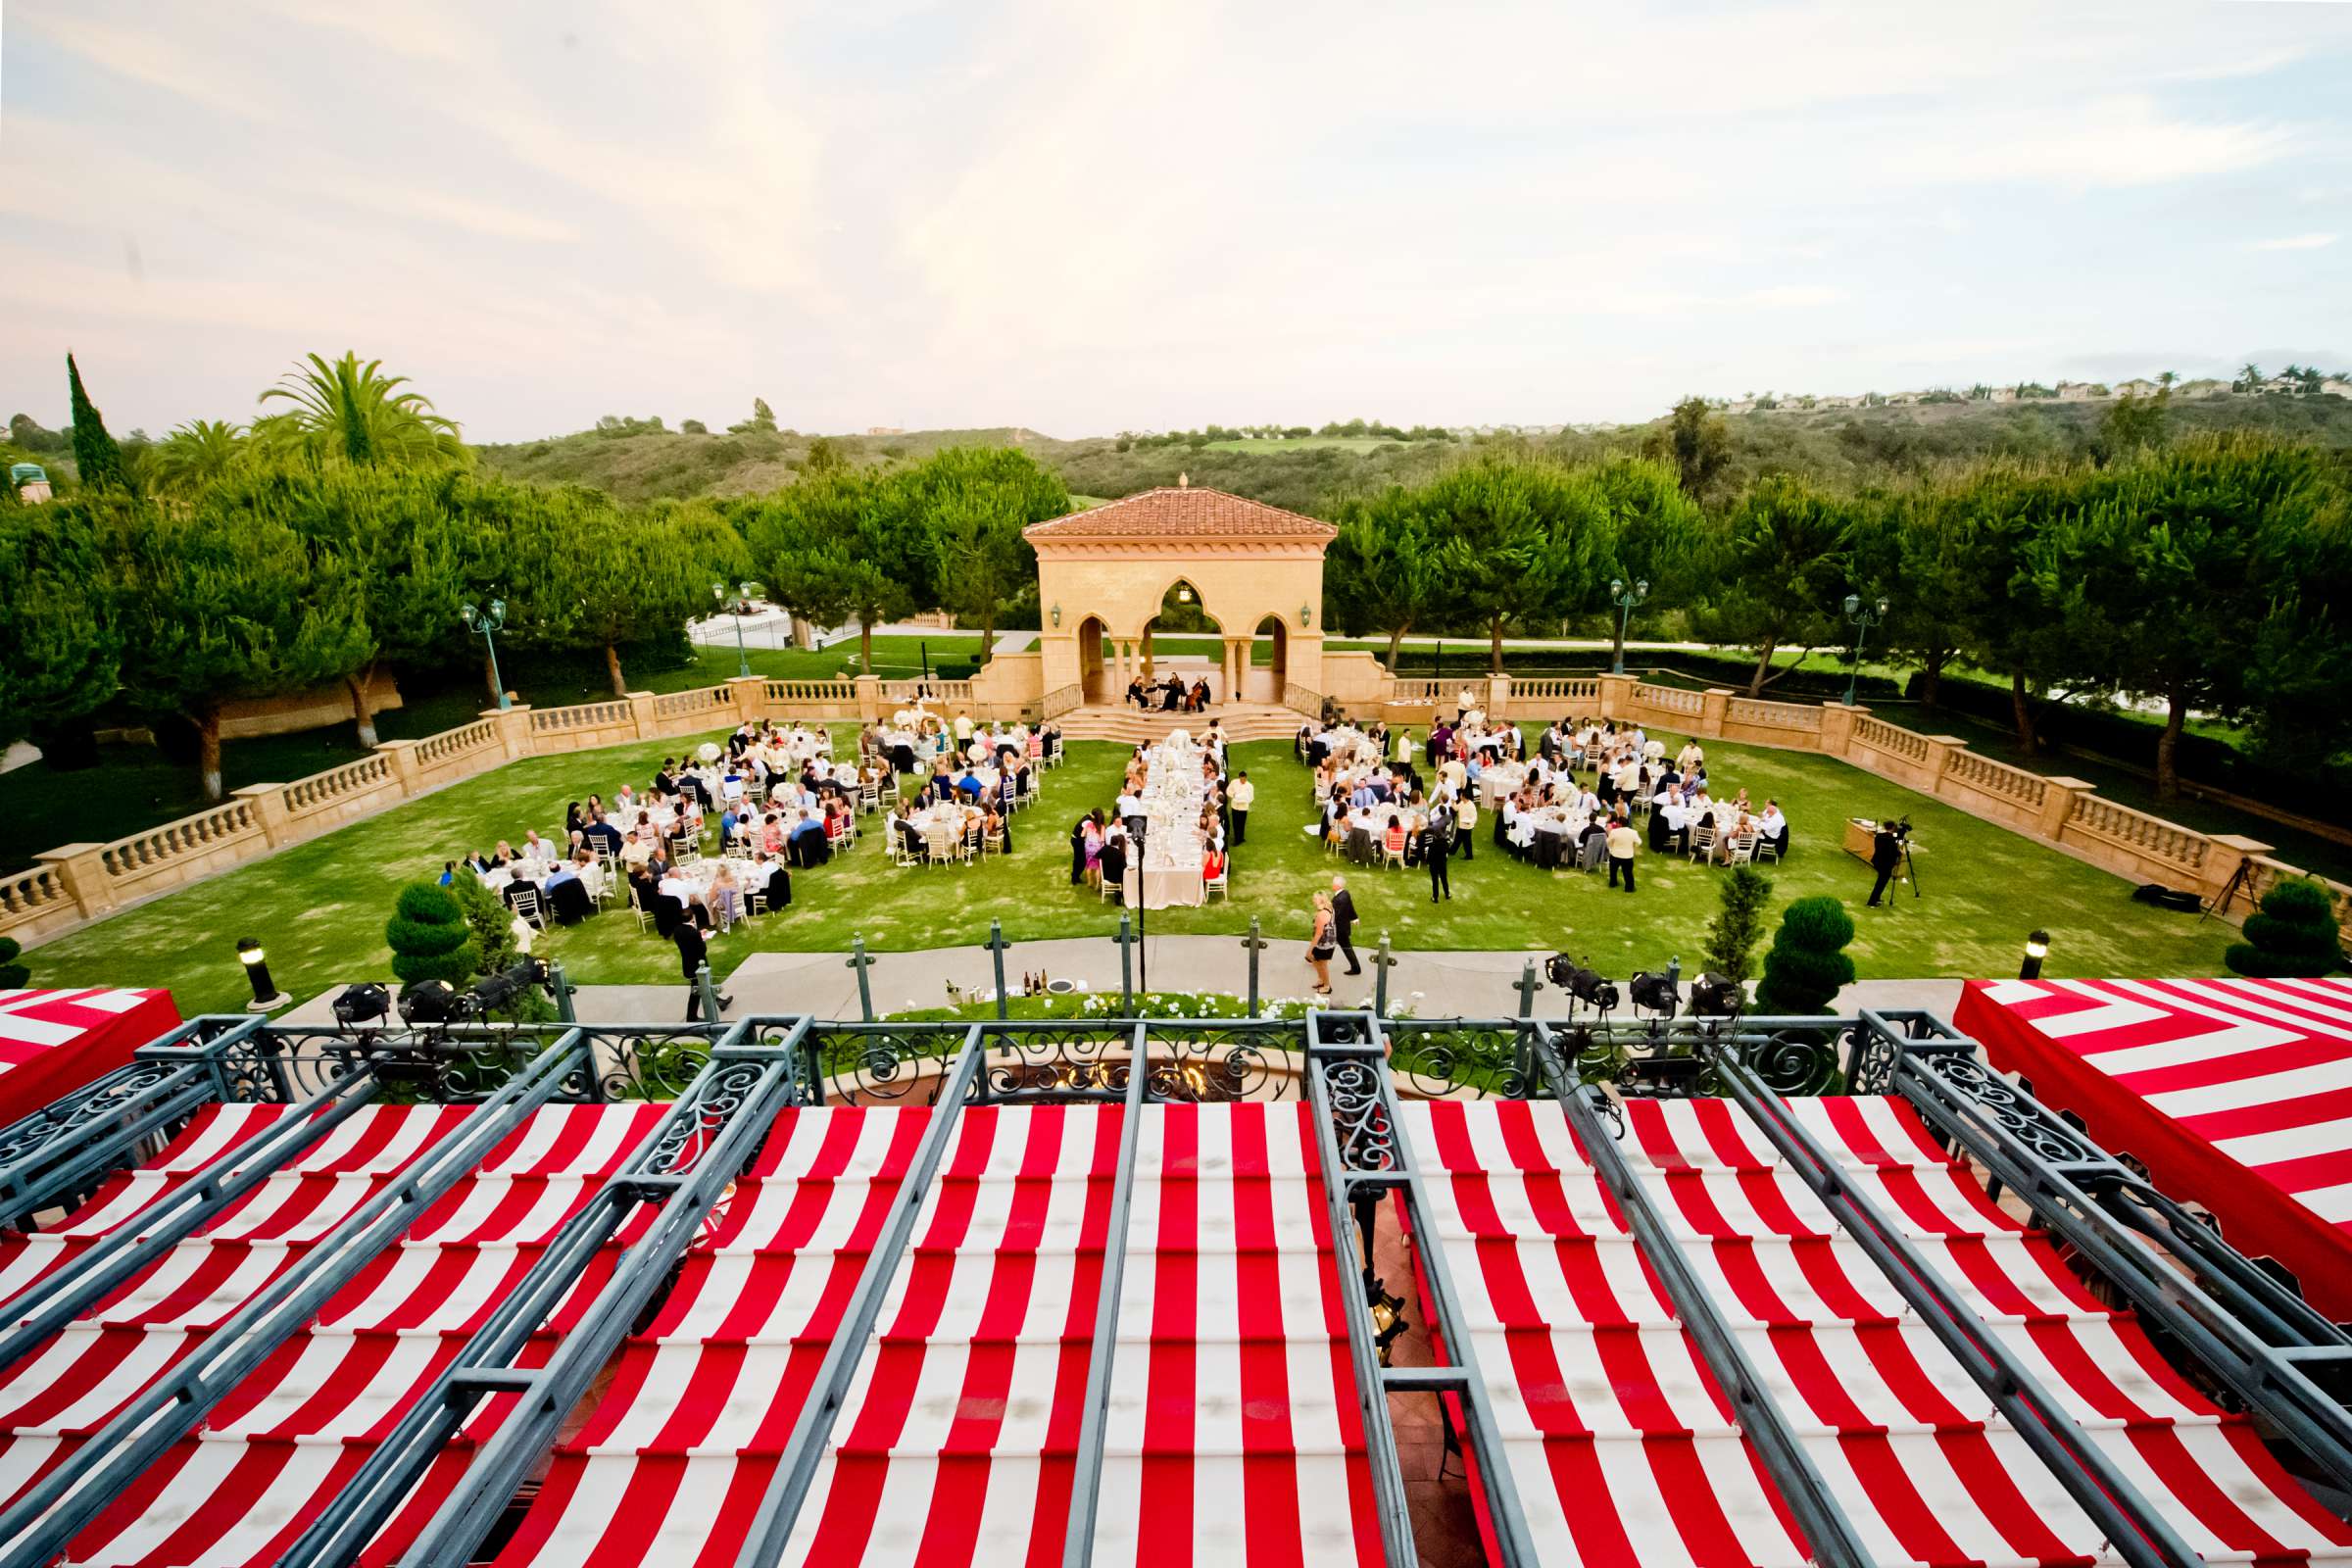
320 908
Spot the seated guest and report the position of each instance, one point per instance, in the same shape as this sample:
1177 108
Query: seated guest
449 873
769 877
686 896
1773 828
723 899
574 818
1213 865
1114 861
969 786
601 835
806 845
1135 693
566 893
535 848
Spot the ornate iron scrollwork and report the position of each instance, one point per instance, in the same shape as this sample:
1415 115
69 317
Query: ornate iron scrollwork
1360 1116
2022 1118
1476 1061
116 1094
1195 1065
689 1133
883 1066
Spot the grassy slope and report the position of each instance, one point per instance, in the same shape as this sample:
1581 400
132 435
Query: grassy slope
320 906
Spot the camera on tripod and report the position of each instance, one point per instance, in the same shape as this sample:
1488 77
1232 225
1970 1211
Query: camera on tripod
1896 827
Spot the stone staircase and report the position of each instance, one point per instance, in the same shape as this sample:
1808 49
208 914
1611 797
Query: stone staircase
1241 722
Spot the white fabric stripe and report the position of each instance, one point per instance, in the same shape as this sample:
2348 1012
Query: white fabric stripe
2230 1009
2331 1203
572 1540
2332 1137
2320 1078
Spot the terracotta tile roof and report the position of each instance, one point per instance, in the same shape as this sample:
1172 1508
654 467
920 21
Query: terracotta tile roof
1182 511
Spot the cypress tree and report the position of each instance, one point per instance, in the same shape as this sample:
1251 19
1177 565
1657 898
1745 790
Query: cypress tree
96 458
1807 966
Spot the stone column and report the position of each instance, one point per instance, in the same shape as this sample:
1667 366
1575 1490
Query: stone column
514 728
2229 851
1617 696
641 714
751 698
2058 804
402 754
869 698
1714 704
1838 728
1940 751
269 803
1497 697
81 870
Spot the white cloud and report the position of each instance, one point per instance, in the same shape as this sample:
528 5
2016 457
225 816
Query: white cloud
2294 242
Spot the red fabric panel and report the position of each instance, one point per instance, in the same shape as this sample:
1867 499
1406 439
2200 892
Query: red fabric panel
32 1074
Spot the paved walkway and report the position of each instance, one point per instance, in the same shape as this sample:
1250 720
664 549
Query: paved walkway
1429 984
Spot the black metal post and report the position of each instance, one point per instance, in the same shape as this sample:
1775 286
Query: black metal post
997 946
1126 941
1253 945
1382 962
861 960
1527 986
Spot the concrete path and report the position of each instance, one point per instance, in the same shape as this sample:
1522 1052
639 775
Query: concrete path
1428 984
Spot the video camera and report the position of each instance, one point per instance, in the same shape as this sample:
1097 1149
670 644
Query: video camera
1899 827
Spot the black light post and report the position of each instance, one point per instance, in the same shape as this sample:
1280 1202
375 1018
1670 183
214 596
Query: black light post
1864 616
265 994
489 622
2037 948
743 660
1626 599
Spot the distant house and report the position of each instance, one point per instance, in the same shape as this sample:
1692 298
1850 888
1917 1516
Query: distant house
2282 383
2076 392
1744 406
1905 397
2138 387
2001 394
2205 387
2335 387
883 430
1836 403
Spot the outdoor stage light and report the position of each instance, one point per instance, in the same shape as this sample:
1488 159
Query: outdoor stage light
265 994
2037 948
1717 995
365 1002
1655 992
1588 986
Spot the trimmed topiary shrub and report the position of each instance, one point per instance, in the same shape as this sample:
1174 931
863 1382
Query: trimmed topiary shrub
1807 964
1739 924
2294 935
491 921
14 976
431 936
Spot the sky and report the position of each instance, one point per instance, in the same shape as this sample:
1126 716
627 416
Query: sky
1085 217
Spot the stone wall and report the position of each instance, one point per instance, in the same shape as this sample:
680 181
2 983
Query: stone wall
246 717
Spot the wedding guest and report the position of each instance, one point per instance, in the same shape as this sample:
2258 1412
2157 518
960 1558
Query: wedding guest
1319 947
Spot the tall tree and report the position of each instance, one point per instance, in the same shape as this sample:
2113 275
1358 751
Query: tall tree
1383 572
836 548
588 573
60 652
1781 559
2170 572
218 603
1998 514
353 412
972 503
1696 441
1525 543
196 454
1659 533
97 460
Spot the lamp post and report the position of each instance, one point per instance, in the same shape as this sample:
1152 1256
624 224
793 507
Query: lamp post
488 622
265 994
743 660
2037 948
1864 616
1626 600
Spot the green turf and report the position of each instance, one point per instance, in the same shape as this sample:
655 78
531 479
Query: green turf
320 907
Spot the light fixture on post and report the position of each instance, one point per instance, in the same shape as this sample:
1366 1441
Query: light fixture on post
2037 948
1057 611
1625 601
743 658
265 995
1183 592
1864 616
489 622
1307 615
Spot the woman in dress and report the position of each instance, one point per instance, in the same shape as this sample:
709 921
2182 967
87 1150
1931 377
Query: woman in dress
723 899
1320 946
1092 828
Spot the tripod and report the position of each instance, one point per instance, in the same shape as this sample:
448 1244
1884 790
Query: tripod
2237 883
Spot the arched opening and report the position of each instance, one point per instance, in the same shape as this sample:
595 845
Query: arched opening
1183 642
1091 674
1267 681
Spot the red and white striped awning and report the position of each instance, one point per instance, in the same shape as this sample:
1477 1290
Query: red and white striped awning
1621 1444
52 1042
277 1447
2236 1093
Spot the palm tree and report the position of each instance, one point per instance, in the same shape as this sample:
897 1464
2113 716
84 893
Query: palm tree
2249 377
193 456
353 411
2167 378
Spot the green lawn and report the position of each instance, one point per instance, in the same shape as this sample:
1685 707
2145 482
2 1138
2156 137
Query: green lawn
320 906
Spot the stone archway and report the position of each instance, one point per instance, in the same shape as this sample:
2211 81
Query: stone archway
1102 575
1265 683
1093 675
1183 618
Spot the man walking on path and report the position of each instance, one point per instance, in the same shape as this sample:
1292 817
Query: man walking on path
1624 841
1343 921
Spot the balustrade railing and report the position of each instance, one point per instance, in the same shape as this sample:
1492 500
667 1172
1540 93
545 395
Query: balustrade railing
2139 832
1885 737
1062 699
936 691
1671 699
28 893
581 715
128 857
307 795
1774 715
701 700
455 742
812 691
1565 689
1301 699
1997 778
1415 691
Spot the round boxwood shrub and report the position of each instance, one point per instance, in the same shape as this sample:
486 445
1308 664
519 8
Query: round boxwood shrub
430 937
2293 935
14 976
1807 966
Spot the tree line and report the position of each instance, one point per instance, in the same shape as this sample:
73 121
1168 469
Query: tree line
347 540
2206 577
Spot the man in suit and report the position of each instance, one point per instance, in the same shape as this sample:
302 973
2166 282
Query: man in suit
1114 864
692 954
1886 855
1437 848
1343 921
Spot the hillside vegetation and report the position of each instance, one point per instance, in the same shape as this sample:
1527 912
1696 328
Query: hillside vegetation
1837 446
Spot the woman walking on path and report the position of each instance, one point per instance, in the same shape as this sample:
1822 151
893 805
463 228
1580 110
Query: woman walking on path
1321 946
